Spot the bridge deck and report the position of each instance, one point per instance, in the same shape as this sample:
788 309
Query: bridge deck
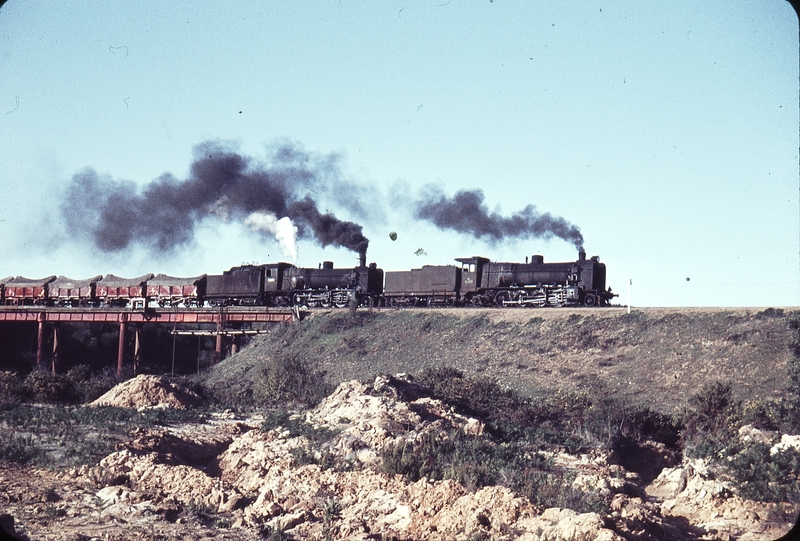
185 315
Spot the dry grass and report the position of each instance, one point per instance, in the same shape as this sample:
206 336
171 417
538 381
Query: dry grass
658 356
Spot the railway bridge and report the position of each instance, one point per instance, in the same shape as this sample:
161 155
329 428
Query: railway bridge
227 320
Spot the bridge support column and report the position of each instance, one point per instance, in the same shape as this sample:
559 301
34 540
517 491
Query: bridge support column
54 362
121 347
220 328
219 345
136 346
40 342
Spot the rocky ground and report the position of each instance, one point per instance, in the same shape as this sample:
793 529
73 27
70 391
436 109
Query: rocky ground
231 478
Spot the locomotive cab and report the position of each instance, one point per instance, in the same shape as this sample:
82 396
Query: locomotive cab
471 273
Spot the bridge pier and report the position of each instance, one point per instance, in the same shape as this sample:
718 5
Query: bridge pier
40 342
136 348
121 346
54 362
220 328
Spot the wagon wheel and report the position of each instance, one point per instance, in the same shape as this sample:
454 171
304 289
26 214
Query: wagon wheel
590 299
477 300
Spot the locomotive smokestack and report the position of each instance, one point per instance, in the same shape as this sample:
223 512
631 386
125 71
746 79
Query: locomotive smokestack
581 256
362 259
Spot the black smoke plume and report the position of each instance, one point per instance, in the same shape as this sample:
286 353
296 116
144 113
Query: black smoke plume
466 213
223 184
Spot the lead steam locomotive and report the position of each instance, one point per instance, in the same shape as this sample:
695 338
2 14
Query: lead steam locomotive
475 281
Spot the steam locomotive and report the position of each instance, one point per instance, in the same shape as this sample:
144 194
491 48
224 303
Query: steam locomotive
480 282
475 281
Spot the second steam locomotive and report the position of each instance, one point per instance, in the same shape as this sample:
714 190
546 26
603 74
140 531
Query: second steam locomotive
475 281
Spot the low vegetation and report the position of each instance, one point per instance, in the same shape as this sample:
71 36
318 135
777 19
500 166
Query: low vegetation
520 429
288 378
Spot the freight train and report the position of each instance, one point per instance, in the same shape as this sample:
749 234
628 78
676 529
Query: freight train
475 281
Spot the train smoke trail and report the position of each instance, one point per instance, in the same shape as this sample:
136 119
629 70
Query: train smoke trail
222 184
284 231
466 213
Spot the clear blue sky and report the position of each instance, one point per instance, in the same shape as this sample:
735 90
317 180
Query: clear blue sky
666 132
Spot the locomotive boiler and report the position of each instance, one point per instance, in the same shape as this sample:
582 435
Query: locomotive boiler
328 286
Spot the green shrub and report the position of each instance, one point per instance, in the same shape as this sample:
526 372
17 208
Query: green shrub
765 413
770 313
474 462
712 404
51 388
554 489
572 419
504 411
297 426
90 385
711 420
12 390
758 475
477 462
19 449
287 378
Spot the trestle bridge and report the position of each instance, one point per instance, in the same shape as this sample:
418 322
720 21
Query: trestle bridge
228 322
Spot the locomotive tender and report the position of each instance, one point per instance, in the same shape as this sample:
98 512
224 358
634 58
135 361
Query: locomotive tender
475 281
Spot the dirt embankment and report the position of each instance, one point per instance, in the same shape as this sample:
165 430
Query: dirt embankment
658 356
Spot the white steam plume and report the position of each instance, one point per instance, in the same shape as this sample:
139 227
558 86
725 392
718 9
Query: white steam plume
284 231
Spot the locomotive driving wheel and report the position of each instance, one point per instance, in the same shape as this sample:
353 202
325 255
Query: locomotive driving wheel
502 297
